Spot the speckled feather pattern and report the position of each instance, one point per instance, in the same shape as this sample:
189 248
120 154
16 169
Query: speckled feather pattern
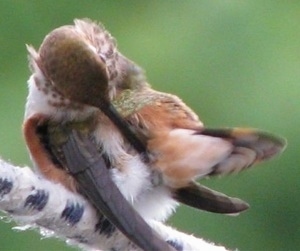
131 175
179 152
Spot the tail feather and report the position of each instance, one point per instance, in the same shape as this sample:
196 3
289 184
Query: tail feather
250 146
183 155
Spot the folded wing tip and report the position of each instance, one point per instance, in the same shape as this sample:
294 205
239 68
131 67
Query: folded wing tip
204 198
241 205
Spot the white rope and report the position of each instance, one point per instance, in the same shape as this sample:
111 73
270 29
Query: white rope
34 202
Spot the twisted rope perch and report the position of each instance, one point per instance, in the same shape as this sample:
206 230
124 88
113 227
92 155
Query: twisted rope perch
38 203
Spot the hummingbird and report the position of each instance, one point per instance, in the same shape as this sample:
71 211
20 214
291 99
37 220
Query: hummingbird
152 146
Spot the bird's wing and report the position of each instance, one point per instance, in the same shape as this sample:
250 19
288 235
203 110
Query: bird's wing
64 157
204 198
89 169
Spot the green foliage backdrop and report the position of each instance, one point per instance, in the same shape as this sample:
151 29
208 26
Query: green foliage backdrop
236 63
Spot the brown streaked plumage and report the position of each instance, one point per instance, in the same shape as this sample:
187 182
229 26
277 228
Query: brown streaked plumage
79 76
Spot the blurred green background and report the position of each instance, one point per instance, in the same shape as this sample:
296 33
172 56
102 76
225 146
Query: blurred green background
236 63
